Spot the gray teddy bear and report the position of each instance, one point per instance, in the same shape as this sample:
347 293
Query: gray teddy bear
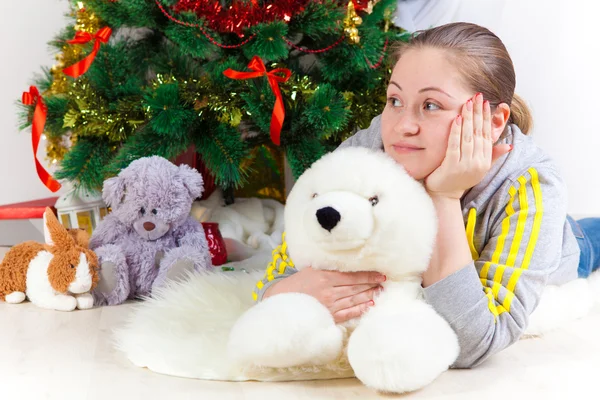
149 229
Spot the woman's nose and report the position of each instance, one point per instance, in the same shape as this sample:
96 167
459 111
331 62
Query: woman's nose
407 124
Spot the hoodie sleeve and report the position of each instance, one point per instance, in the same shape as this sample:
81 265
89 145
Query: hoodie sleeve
369 138
488 302
281 266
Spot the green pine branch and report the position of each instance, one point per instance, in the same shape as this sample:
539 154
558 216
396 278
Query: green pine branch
145 143
84 163
223 152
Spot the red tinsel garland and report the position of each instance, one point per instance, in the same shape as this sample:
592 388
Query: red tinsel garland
360 5
240 15
213 41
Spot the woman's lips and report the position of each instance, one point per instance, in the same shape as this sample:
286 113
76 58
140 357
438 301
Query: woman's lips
406 148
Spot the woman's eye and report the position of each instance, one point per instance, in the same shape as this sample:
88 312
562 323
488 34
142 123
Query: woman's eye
429 106
394 102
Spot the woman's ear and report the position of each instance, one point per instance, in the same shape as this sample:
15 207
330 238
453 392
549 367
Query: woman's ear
500 117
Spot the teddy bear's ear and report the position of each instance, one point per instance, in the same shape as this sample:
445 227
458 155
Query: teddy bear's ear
192 180
113 191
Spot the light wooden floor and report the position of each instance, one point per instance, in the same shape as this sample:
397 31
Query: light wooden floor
52 355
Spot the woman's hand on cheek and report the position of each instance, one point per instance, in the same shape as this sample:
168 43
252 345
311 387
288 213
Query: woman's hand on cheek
469 154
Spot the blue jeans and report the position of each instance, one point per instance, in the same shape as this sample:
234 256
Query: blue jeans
587 232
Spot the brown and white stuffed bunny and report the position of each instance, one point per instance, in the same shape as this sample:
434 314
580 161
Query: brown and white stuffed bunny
58 275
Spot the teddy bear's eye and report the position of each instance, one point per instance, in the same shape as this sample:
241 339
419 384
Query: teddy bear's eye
374 200
154 211
314 195
72 266
142 211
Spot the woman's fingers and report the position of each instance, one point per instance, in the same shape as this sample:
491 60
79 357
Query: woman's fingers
478 142
487 131
355 300
453 150
352 312
487 120
350 290
466 148
478 115
356 278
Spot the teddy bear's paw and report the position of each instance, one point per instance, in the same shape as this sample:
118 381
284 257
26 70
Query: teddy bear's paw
108 277
180 270
403 352
113 287
285 330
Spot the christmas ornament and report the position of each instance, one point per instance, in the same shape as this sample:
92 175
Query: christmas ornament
240 15
256 64
351 22
216 243
80 68
37 128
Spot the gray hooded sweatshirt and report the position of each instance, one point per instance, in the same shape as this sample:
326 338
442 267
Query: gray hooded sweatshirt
520 241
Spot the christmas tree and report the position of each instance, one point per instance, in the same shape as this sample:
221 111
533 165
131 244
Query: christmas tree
242 81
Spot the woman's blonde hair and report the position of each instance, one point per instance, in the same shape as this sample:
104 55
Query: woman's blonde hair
483 61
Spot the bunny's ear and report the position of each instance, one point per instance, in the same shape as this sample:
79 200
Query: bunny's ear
54 233
192 180
113 191
81 237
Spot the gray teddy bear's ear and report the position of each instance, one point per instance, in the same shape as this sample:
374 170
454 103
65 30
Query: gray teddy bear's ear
113 191
192 180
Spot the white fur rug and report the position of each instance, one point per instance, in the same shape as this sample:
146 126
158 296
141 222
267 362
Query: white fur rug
183 331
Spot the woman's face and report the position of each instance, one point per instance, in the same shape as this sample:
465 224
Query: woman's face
425 95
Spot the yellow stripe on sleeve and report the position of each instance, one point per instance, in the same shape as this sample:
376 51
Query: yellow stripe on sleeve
278 255
523 212
516 243
282 266
537 221
472 220
496 310
499 246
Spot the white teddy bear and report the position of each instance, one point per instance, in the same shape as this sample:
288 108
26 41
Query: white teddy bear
355 210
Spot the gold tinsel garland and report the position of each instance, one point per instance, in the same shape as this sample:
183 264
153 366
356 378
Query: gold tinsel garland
84 21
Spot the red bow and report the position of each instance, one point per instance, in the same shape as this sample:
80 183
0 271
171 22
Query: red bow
256 64
37 128
81 67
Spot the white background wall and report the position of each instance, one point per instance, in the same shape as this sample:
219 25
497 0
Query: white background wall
554 45
25 28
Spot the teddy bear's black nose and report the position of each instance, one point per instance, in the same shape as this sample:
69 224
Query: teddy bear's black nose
328 217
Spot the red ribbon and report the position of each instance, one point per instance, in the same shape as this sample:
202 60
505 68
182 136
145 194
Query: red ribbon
81 67
257 65
37 128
